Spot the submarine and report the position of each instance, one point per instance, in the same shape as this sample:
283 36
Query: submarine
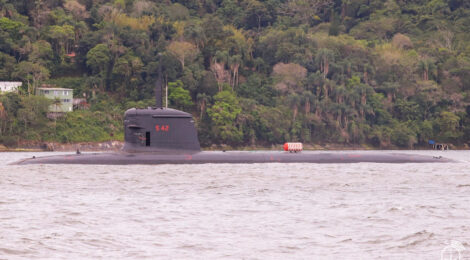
161 135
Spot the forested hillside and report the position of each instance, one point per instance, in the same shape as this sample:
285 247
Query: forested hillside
386 73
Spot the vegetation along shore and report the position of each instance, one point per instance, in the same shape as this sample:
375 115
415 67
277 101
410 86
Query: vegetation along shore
328 73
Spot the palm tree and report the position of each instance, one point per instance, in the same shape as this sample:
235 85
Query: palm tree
234 63
427 68
3 117
339 110
195 33
390 89
93 83
355 131
329 108
324 57
349 114
367 70
340 93
308 98
202 100
217 67
360 94
56 103
293 101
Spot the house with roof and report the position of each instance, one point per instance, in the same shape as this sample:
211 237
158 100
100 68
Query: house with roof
10 86
64 95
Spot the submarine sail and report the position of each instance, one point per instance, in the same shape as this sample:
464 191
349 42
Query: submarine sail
159 130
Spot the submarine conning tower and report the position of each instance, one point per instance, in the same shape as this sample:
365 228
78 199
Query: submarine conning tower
160 129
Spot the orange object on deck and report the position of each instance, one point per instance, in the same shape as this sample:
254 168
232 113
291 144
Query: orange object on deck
293 147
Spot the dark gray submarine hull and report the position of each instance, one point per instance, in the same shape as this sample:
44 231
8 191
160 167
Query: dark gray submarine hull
232 157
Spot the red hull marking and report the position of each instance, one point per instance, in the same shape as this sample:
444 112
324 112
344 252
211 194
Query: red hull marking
163 128
188 157
354 155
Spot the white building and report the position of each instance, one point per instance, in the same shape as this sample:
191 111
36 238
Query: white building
9 86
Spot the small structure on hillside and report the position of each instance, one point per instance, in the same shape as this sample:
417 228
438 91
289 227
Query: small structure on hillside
438 146
10 86
80 104
62 99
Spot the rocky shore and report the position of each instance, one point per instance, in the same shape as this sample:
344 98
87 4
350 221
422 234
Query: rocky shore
64 147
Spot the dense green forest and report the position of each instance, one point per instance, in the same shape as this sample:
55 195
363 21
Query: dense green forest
383 73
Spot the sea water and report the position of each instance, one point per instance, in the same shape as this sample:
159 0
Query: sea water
235 211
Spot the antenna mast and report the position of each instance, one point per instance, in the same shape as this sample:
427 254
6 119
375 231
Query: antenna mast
158 87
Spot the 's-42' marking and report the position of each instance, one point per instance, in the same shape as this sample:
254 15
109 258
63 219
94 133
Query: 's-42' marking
163 128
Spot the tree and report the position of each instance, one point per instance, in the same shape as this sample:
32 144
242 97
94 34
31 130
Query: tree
403 136
41 53
448 124
33 114
426 67
183 51
305 10
218 68
142 6
178 96
256 13
289 77
11 103
3 117
63 36
126 72
323 58
223 115
402 41
98 59
308 98
232 12
177 12
78 10
56 102
14 28
234 63
7 65
293 102
32 74
202 100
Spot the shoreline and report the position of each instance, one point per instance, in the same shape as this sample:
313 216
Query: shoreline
67 147
117 146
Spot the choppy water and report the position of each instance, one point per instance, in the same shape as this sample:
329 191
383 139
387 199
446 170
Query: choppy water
244 211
